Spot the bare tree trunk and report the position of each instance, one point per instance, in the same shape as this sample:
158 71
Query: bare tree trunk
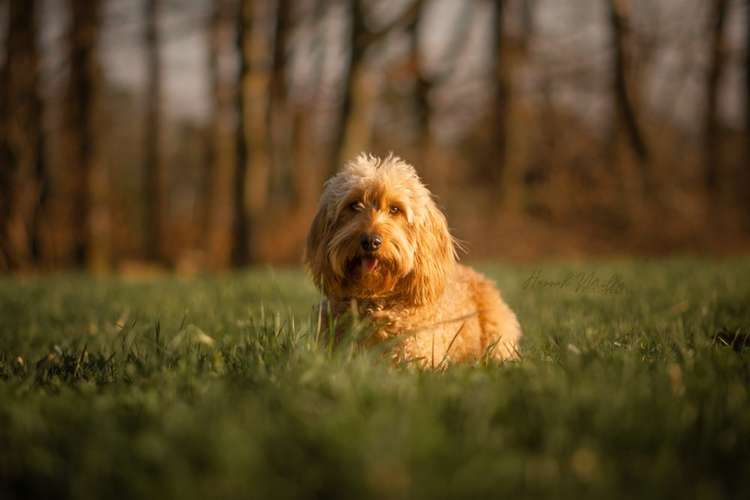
528 24
241 223
348 121
349 78
319 44
23 182
258 52
422 84
747 76
426 81
152 165
34 126
279 117
493 169
305 176
7 163
746 169
619 17
220 149
8 168
712 157
80 114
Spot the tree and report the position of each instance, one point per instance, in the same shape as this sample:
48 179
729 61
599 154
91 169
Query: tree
747 75
6 169
152 164
22 144
623 91
89 245
422 82
220 156
360 38
351 70
714 76
241 224
746 170
492 171
426 81
305 176
279 118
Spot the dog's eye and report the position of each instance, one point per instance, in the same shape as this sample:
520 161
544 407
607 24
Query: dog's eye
394 210
357 206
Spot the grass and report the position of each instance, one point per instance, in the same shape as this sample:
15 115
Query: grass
214 388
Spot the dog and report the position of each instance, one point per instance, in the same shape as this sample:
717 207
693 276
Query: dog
380 247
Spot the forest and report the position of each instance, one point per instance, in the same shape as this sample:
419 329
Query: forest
148 135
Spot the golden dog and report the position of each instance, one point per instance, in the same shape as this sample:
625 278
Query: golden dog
379 245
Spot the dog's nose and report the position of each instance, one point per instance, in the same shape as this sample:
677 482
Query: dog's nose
370 242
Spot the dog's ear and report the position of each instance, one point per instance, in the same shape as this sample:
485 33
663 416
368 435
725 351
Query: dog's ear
434 258
314 256
316 253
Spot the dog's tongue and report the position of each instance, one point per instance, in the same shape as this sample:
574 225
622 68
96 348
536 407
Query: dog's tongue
368 264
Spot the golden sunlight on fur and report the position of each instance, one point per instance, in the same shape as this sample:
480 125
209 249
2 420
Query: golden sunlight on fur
380 246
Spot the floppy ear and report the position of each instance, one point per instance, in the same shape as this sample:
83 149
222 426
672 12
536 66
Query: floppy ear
316 254
434 258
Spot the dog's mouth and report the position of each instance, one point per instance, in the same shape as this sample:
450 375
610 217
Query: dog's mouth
370 276
364 264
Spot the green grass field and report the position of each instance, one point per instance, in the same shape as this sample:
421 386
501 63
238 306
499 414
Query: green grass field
112 389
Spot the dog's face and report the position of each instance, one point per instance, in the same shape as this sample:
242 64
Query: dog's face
378 234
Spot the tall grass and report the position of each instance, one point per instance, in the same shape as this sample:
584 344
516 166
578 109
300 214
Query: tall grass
217 388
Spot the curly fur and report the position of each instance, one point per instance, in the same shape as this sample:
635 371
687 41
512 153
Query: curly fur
412 288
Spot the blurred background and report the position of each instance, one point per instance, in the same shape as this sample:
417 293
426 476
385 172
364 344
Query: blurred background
184 135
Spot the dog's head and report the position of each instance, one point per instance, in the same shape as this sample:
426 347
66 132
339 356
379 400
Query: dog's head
378 234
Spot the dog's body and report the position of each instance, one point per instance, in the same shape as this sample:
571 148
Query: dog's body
468 320
379 242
